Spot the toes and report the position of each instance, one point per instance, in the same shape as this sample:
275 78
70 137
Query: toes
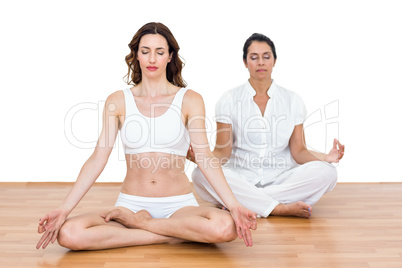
305 209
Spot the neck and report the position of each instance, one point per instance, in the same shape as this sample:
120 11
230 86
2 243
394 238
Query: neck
154 87
261 86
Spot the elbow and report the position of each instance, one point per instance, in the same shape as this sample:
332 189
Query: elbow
225 157
223 154
297 155
298 161
201 154
298 151
205 159
100 157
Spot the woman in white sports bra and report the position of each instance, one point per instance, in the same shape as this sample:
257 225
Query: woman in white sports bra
157 119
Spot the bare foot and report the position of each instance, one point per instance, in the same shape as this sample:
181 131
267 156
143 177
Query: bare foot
128 218
298 209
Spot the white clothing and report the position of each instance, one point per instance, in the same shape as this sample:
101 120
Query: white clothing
158 207
307 183
260 149
165 133
261 170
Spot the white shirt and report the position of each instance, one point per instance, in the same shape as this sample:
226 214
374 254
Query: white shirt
260 149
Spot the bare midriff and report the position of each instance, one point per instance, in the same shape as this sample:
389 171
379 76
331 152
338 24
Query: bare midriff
156 174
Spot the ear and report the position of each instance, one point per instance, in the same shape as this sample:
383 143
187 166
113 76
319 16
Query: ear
274 63
170 57
245 63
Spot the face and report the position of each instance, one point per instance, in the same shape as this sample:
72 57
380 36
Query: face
260 60
153 55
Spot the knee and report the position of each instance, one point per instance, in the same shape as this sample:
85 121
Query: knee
225 230
331 174
327 174
229 231
69 236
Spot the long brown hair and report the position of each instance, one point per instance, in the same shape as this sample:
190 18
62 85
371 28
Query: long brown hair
174 67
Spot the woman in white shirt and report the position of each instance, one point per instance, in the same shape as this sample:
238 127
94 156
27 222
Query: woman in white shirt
261 146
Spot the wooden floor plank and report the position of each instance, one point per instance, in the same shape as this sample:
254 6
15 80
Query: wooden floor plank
356 225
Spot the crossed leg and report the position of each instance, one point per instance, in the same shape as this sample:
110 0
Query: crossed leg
249 195
94 231
198 224
291 194
91 232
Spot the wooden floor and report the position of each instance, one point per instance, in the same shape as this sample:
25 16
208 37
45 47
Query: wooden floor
356 225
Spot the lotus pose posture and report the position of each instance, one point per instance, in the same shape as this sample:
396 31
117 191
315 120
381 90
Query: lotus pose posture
260 143
156 118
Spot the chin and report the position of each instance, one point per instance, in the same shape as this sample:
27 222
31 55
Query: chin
262 76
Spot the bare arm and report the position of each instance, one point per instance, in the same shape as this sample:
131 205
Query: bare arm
211 168
302 155
223 145
224 142
51 223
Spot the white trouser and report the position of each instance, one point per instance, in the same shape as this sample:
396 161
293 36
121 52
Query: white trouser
307 183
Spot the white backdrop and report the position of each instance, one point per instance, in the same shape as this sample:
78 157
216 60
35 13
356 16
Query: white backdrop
59 60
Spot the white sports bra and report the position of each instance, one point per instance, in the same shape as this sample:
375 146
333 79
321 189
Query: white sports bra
165 133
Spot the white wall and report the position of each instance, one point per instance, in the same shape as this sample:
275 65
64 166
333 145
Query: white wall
345 56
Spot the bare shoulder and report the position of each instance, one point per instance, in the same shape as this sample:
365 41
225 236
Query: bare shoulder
192 97
193 103
116 96
115 102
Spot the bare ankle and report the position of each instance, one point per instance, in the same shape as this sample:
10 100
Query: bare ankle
298 209
279 210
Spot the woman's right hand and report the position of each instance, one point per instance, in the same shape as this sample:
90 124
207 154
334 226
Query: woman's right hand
50 225
244 220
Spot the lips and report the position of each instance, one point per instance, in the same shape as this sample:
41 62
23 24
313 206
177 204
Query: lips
261 70
152 68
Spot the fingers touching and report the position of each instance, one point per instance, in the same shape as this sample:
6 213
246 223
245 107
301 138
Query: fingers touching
340 148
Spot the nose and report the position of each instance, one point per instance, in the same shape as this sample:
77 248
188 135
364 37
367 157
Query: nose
152 58
260 61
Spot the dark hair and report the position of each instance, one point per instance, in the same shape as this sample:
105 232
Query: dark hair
174 67
258 38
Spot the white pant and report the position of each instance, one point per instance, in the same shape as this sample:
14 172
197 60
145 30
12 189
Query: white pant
307 183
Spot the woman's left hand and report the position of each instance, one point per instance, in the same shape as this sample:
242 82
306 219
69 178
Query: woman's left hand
244 220
336 152
190 155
